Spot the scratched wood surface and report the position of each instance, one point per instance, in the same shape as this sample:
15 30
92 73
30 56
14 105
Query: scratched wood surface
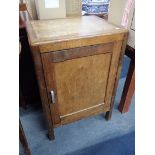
48 31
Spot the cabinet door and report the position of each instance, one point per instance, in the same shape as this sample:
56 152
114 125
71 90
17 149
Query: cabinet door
78 77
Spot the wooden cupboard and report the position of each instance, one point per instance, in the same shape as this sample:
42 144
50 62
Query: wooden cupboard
77 63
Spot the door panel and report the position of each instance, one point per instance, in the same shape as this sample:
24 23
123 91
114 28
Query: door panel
78 77
81 83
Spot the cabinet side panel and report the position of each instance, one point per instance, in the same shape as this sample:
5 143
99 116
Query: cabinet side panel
42 85
115 69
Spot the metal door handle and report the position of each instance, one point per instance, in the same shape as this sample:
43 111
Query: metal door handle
52 96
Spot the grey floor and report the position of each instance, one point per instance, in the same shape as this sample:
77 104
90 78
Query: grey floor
76 136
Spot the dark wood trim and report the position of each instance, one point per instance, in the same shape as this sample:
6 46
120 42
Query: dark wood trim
129 85
43 90
23 139
128 90
74 53
130 52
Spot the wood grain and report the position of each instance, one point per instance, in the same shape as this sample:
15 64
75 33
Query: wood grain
69 28
81 83
113 71
74 53
49 73
75 72
84 114
50 35
118 61
79 42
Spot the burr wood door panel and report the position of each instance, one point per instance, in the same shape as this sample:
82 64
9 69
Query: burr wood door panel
78 84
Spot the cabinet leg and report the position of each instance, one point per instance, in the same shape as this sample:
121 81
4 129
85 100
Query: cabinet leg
50 134
128 90
108 115
23 139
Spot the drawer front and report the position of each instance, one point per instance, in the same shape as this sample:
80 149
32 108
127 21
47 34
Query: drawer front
78 78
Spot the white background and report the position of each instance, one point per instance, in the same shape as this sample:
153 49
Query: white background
51 3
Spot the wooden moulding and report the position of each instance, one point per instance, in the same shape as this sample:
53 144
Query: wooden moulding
94 111
74 43
63 55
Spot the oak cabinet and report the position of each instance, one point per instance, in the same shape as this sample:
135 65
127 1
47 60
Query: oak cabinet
77 63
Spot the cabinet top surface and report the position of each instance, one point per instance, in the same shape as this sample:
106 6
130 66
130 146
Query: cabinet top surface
46 31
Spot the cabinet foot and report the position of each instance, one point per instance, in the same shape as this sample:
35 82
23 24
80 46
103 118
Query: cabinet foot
50 134
108 115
